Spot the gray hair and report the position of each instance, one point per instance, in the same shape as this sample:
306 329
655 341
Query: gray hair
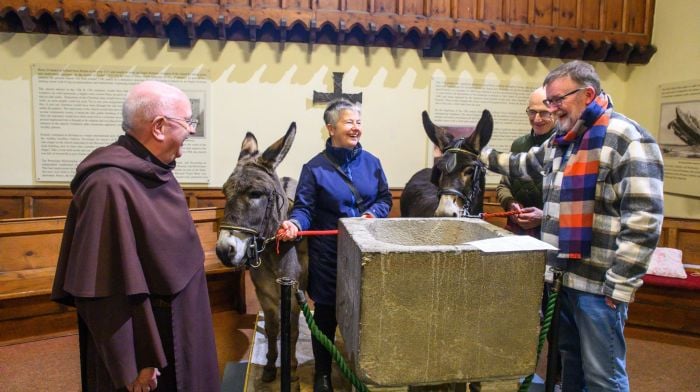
146 101
579 71
332 112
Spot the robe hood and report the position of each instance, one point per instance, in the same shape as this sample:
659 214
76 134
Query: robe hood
128 230
121 154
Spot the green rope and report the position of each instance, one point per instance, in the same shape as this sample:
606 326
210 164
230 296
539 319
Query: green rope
329 345
549 313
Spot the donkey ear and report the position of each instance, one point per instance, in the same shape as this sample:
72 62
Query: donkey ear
483 131
438 135
249 147
278 150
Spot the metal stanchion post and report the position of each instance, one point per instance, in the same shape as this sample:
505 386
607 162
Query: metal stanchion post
285 333
553 347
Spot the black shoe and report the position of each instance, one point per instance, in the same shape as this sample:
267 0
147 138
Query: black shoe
322 383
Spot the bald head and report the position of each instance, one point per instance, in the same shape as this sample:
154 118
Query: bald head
536 98
541 120
146 101
158 116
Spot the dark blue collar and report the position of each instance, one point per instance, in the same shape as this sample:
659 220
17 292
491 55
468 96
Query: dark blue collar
340 155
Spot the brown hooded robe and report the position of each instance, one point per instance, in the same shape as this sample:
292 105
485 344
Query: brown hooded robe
132 264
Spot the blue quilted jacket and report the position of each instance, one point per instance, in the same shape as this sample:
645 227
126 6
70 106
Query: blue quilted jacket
323 196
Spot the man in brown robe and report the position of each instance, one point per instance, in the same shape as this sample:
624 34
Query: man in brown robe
131 261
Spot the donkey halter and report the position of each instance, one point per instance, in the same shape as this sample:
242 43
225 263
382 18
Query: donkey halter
469 198
258 242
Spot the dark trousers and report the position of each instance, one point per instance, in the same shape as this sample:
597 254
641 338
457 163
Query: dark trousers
324 316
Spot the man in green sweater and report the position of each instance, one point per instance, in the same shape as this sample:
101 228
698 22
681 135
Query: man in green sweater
515 194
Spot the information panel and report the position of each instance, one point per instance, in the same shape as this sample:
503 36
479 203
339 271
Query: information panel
679 136
460 103
79 108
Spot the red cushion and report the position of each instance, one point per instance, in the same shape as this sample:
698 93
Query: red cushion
692 283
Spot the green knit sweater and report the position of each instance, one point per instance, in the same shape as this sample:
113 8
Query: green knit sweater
526 193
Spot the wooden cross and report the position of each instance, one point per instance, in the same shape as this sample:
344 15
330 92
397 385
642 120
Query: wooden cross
337 92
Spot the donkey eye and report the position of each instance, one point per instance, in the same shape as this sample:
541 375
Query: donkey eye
255 194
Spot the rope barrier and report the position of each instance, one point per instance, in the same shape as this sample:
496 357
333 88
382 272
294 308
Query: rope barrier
323 339
549 314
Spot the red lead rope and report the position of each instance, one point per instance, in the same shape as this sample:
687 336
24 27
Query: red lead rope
302 233
498 214
310 233
317 232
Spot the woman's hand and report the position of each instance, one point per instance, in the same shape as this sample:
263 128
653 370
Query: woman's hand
287 231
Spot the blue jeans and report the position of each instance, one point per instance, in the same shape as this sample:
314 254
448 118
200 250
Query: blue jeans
591 343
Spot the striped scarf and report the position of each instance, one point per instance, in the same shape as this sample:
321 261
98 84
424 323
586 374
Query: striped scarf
577 196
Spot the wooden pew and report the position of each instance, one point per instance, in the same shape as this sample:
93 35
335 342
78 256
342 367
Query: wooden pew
672 309
32 258
28 262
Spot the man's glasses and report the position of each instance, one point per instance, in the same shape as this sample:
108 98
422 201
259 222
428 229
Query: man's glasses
192 123
544 114
556 101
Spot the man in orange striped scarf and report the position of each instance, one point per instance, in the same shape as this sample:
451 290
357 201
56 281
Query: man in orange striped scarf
603 208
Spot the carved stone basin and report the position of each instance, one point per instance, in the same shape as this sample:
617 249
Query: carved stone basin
418 305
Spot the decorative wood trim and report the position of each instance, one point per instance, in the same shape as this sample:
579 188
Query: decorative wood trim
495 25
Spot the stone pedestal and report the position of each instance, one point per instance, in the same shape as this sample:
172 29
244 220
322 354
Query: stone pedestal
417 305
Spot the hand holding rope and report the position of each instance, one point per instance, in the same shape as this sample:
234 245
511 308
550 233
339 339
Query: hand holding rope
281 232
301 233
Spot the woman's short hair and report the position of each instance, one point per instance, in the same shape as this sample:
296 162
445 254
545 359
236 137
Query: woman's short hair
332 112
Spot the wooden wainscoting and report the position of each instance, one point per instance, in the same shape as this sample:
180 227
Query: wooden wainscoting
35 202
28 262
29 247
671 309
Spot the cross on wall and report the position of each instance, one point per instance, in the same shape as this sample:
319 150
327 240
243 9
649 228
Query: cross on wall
337 93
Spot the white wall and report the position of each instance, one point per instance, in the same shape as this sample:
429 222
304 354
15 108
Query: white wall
262 89
676 35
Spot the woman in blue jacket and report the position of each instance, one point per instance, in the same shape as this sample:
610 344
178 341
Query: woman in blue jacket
341 181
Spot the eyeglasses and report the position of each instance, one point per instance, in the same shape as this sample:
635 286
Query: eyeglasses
192 123
556 101
544 114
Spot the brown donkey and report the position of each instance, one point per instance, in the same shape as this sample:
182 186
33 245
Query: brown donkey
256 202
